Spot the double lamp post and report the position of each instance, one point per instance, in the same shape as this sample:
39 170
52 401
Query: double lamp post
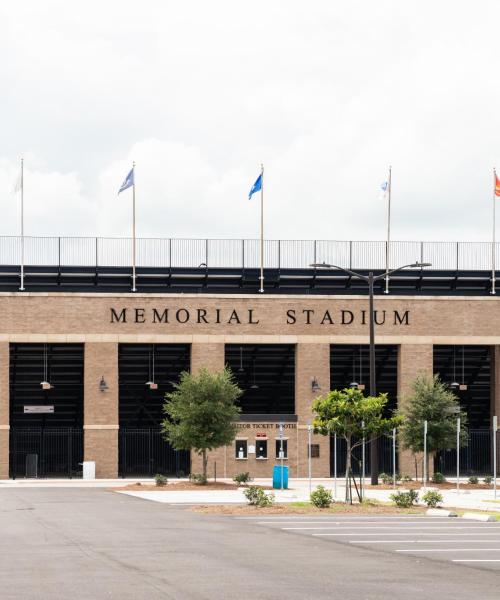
370 279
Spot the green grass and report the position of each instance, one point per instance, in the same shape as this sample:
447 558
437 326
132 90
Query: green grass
300 504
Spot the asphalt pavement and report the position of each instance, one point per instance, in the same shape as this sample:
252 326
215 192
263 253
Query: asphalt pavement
93 544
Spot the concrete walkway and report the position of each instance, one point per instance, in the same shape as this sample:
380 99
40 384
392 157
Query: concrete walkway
298 492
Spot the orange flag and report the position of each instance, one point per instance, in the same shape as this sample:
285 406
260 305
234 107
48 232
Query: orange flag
497 185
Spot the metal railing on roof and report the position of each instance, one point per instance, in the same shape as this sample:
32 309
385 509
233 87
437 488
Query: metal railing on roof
241 254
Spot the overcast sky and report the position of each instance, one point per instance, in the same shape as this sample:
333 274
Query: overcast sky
326 94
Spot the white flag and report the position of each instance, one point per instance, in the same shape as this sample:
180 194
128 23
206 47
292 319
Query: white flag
19 183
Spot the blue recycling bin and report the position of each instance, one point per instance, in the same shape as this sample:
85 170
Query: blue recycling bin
277 477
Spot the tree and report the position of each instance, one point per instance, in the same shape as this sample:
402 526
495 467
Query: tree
201 412
351 415
431 400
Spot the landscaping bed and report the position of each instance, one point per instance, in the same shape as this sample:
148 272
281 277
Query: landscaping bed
302 508
417 485
181 486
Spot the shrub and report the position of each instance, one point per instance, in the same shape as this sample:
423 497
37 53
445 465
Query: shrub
387 479
256 496
405 499
432 498
438 478
406 478
242 478
473 479
321 497
198 478
488 479
160 480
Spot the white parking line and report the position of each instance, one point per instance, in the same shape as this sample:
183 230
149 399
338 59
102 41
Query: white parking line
485 526
451 550
476 560
429 521
494 541
392 534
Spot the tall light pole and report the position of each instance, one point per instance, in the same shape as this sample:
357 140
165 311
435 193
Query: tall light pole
370 279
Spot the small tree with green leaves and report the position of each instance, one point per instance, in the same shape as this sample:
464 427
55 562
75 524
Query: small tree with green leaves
351 415
431 400
201 412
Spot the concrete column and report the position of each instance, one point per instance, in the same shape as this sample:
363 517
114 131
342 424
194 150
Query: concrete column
4 410
311 361
413 360
212 357
101 421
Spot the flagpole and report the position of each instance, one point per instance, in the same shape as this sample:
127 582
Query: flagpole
493 268
22 226
134 289
387 248
261 290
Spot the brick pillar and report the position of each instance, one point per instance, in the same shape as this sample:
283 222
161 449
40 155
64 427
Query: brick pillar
4 410
311 361
101 421
413 359
212 357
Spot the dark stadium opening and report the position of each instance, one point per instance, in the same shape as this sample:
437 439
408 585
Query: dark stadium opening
46 410
349 367
146 372
467 370
266 374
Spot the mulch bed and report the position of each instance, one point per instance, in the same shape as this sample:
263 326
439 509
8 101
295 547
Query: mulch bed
416 485
182 486
287 509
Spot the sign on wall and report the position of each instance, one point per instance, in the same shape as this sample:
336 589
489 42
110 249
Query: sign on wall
38 409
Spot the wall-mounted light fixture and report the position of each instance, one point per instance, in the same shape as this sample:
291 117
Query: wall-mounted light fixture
103 386
45 383
315 387
151 384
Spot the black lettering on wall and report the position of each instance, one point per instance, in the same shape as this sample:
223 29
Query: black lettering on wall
184 318
402 320
250 318
347 313
121 318
202 316
139 315
290 317
308 312
157 318
234 318
375 315
327 318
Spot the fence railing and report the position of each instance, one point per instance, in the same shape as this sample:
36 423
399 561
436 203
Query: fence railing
144 452
238 254
46 452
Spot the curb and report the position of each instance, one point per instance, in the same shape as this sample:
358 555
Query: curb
440 512
479 517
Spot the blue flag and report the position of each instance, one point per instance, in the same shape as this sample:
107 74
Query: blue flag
256 187
129 181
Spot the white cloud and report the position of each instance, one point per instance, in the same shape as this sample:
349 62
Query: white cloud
198 94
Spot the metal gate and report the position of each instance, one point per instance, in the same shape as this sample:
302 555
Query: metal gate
384 456
145 452
46 452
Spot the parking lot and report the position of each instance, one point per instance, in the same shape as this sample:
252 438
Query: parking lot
453 540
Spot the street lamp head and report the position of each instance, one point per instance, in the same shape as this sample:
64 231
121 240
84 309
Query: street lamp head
420 265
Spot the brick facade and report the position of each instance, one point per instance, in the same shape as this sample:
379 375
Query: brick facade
208 322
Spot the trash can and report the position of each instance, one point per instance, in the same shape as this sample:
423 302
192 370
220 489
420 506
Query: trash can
277 477
88 469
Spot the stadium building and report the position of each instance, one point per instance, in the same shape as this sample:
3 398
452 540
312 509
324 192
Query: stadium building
85 362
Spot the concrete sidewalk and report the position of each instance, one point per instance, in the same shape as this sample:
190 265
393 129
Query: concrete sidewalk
298 491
